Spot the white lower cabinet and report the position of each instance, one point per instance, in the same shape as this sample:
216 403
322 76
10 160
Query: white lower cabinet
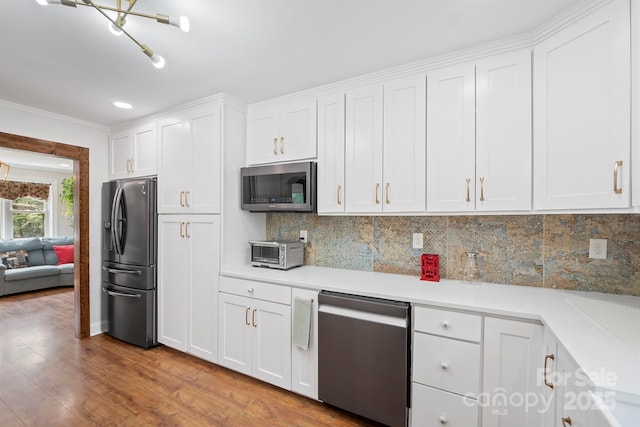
304 363
255 330
446 367
188 268
433 407
511 385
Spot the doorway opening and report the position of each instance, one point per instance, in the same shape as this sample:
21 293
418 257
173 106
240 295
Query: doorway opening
80 157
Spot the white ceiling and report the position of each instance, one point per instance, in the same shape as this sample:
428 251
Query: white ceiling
63 59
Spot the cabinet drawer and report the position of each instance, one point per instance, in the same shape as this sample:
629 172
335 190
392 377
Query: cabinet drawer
431 408
450 324
257 290
446 363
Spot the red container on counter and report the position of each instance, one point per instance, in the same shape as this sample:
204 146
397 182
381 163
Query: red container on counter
430 267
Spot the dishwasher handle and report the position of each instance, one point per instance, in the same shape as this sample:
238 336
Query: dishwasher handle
358 303
363 316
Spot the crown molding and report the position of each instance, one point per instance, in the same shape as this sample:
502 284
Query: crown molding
566 18
221 97
49 114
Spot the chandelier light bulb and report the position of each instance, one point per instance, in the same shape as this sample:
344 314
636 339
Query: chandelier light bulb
158 61
114 29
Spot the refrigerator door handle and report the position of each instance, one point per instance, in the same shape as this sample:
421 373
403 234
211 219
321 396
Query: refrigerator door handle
116 232
119 294
118 271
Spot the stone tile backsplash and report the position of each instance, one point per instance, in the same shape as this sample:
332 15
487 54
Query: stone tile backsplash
549 251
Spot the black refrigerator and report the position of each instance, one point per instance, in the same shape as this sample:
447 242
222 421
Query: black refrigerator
129 251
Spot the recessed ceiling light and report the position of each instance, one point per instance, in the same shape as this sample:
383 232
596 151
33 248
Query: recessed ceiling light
123 105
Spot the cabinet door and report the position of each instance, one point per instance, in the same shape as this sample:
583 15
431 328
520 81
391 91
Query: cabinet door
234 335
331 153
574 400
582 114
297 140
119 155
271 344
503 132
174 169
404 144
203 192
363 158
451 139
173 262
144 150
203 236
512 360
304 363
263 136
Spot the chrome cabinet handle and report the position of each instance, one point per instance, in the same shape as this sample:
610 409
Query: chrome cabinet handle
387 192
253 317
482 189
282 145
468 189
186 227
544 373
182 230
566 421
186 198
377 193
275 146
246 316
616 170
339 194
182 198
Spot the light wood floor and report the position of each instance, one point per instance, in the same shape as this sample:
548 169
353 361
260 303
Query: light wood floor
50 378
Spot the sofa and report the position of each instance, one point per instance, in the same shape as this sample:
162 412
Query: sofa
32 263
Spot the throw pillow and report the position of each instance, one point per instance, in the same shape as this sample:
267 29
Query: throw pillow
64 253
15 259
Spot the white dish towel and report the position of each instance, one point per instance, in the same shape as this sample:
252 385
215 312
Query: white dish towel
301 322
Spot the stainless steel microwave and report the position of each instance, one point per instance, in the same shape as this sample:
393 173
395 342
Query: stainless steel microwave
279 188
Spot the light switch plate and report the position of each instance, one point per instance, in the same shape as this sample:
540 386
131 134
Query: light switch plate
418 242
303 236
598 248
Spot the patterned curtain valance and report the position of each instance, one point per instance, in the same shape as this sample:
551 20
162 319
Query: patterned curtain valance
12 190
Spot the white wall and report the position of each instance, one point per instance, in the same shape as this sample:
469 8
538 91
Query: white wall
26 121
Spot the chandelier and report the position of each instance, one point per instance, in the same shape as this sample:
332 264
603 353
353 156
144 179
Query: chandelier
117 25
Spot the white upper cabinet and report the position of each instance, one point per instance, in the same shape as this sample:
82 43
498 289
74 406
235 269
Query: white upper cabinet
385 147
404 144
451 139
635 102
363 158
479 135
133 152
503 132
189 169
582 113
285 132
331 153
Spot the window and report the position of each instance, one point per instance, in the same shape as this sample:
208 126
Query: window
28 217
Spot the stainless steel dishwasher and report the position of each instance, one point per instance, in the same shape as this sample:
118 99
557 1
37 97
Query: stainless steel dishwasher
363 356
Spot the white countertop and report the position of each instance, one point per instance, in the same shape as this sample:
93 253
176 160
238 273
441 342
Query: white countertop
600 331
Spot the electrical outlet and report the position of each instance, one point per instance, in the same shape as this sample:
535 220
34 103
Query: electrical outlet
598 248
303 236
418 242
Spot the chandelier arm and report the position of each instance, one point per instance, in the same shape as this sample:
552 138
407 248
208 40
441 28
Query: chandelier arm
144 48
125 12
